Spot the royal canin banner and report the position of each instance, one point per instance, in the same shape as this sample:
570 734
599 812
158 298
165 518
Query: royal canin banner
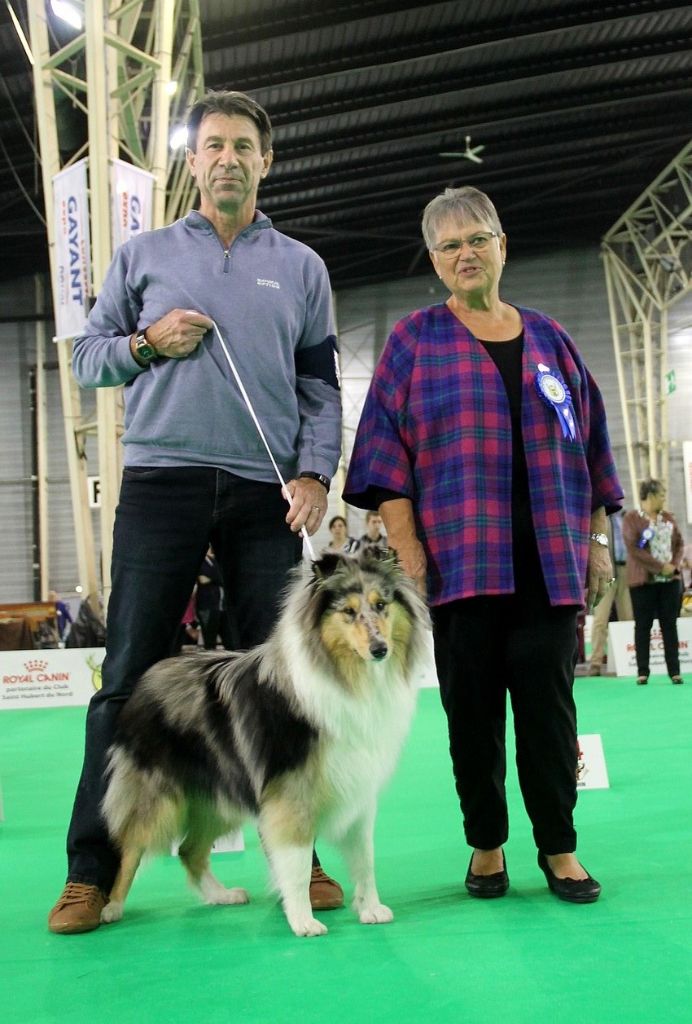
132 195
72 250
49 679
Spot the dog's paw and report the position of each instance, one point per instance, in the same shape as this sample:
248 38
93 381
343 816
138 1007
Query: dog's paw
307 927
112 912
227 897
376 914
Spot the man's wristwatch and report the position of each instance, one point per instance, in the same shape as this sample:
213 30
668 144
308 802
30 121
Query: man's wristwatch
144 351
320 477
599 538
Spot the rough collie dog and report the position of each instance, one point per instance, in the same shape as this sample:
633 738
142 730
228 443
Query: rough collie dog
300 733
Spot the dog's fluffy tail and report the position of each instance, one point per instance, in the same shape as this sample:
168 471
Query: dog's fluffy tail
141 808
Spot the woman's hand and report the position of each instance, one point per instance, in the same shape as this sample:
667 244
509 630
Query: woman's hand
399 522
599 574
411 555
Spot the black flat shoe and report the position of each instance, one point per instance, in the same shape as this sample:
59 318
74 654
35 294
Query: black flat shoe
573 890
677 680
642 680
487 887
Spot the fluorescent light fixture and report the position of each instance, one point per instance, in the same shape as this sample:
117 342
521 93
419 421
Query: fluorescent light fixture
68 12
178 137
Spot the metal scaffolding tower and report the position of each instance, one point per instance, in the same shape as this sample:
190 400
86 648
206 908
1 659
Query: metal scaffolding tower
134 69
647 256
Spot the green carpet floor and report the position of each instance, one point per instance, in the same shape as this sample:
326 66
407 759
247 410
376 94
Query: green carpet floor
524 959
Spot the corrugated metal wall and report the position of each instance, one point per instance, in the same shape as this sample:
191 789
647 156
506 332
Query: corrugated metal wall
17 526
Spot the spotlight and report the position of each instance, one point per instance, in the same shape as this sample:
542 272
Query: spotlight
71 12
178 137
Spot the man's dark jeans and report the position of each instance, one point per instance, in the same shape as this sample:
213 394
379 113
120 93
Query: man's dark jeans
164 523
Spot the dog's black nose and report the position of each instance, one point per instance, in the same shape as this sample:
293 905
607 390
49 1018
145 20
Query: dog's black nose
379 651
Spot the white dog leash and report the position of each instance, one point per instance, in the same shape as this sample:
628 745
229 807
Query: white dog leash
246 399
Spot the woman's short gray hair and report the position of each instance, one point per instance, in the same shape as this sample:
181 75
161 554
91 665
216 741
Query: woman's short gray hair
465 203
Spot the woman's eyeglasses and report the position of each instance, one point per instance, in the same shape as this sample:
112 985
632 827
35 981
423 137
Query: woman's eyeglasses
477 243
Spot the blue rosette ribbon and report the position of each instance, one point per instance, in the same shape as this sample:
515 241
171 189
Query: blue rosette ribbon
645 536
554 392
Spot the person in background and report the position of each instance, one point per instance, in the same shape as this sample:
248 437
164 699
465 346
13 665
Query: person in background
209 603
62 615
654 556
196 472
483 444
341 542
618 594
373 536
188 632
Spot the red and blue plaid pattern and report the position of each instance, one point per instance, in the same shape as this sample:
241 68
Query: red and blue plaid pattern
436 428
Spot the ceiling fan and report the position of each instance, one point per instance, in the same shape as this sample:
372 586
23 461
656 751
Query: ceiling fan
470 153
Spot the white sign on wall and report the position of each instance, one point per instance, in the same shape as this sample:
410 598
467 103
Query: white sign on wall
687 469
94 491
621 655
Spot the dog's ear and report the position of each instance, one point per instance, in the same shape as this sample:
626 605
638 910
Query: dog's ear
378 554
326 565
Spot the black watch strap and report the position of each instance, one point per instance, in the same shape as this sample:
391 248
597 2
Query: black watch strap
320 477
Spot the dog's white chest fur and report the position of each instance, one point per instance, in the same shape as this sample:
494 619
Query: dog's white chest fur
360 739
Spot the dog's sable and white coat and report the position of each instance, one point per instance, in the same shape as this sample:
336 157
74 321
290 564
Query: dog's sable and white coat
301 733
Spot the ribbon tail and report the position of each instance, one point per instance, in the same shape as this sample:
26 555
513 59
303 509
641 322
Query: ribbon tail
567 422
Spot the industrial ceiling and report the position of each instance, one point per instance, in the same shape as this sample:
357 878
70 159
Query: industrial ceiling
577 105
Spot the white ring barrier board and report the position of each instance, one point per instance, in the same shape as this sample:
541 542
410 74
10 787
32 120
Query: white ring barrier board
49 679
621 655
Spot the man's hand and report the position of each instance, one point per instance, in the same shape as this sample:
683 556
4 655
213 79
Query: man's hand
179 332
308 504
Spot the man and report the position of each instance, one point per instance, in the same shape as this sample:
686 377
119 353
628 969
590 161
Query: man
619 594
373 535
196 471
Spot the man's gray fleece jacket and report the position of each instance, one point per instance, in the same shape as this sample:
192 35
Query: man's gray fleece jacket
271 299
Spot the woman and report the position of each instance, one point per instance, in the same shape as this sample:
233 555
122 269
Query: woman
341 542
654 557
483 444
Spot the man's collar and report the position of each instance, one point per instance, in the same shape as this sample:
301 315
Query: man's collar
195 219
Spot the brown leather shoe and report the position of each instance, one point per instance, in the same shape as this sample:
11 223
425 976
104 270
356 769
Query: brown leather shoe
325 893
78 909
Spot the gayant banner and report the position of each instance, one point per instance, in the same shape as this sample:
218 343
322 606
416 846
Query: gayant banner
72 282
132 195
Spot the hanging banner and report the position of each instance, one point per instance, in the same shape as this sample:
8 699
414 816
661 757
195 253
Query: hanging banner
132 196
72 250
